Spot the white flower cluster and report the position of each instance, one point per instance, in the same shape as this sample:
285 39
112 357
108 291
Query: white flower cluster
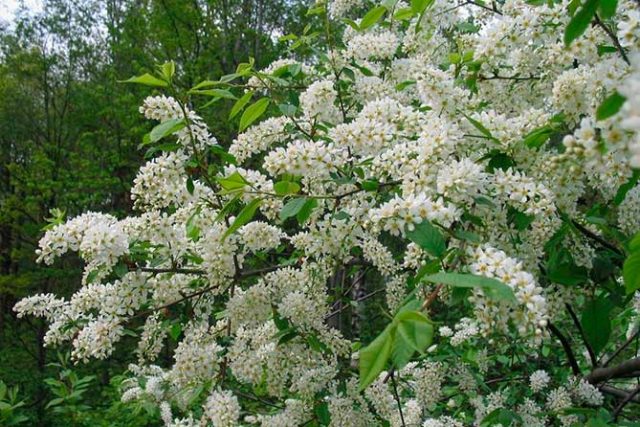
402 213
398 124
530 316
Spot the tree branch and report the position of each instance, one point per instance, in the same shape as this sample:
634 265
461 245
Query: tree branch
592 354
613 37
567 349
599 375
624 403
622 347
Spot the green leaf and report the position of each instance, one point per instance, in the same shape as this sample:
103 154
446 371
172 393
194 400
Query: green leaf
631 272
562 269
220 93
414 333
404 14
596 323
147 80
168 69
288 110
193 231
634 244
608 8
536 138
610 106
621 194
500 416
240 104
253 112
419 6
374 357
580 21
491 287
165 128
244 216
370 185
483 130
428 238
233 182
292 207
283 188
306 210
372 17
175 331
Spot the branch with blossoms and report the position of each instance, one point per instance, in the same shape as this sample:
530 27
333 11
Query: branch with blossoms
399 233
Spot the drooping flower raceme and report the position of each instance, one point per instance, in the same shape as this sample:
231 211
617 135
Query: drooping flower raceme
396 236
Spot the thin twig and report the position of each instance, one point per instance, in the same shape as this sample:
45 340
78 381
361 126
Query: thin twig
613 38
584 230
397 397
624 403
592 354
621 348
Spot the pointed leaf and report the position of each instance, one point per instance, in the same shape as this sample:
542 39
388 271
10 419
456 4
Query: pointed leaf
147 80
374 357
253 112
245 215
491 287
428 238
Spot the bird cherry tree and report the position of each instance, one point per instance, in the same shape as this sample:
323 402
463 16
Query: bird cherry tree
429 221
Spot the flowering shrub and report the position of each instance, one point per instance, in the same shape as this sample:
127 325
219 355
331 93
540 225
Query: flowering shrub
468 167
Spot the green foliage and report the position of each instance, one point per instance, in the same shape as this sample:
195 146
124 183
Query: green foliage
491 287
253 113
409 332
580 21
428 238
610 106
631 268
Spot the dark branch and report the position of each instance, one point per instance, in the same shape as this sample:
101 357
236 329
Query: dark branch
592 354
621 348
603 374
613 37
624 403
567 349
584 230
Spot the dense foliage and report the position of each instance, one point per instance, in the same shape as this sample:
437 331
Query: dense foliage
427 217
68 137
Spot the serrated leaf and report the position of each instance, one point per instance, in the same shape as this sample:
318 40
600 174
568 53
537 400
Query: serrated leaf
253 113
374 357
240 104
244 216
610 106
491 287
580 21
428 238
147 80
372 17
